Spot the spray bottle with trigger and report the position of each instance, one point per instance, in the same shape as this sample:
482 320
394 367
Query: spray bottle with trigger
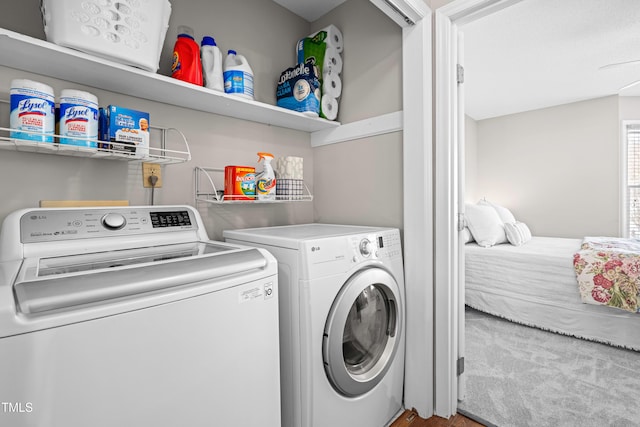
266 180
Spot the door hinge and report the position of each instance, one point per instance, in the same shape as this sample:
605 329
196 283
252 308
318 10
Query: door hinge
461 223
460 366
459 74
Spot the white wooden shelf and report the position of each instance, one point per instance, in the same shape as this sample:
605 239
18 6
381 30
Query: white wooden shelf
206 191
41 57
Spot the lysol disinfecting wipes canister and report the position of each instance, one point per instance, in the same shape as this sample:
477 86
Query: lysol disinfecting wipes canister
78 118
32 110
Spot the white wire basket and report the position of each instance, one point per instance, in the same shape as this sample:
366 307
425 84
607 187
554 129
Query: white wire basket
206 190
159 151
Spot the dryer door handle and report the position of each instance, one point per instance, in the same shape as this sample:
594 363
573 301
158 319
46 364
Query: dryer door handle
393 316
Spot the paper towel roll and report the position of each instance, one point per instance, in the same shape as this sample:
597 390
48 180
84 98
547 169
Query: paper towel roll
334 37
329 107
332 61
289 167
332 84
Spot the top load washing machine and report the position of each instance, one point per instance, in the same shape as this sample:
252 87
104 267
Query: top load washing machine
341 322
131 316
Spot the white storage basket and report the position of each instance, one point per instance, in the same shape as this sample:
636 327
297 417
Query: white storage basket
131 32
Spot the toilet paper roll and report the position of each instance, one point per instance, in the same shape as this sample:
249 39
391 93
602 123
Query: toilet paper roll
334 37
332 61
329 107
332 84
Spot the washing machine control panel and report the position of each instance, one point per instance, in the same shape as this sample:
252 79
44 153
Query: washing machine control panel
48 225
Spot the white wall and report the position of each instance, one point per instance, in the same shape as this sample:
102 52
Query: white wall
556 168
266 33
629 107
360 182
470 159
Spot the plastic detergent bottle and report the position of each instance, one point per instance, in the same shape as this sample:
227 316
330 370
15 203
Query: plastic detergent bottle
211 64
266 180
186 63
238 76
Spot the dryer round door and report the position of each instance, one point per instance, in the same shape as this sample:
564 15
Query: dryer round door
362 332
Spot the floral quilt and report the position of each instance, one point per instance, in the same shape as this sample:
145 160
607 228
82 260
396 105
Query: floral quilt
608 272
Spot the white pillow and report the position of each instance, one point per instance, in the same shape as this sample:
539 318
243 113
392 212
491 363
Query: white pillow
504 213
466 234
485 225
517 233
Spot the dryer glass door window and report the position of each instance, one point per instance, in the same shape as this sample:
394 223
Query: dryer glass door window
362 332
367 330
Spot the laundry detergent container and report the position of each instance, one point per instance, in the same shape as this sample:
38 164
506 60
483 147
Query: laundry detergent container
130 32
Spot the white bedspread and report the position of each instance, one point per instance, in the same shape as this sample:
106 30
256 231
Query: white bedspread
535 284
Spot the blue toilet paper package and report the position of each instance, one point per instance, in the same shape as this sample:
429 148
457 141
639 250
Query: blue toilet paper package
299 89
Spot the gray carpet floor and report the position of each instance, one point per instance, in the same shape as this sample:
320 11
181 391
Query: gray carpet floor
522 376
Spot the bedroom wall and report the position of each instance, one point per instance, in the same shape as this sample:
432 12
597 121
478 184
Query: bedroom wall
470 159
555 168
629 107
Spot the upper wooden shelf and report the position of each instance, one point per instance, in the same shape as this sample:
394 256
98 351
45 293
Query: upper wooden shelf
45 58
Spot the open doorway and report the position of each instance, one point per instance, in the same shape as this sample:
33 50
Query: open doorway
501 178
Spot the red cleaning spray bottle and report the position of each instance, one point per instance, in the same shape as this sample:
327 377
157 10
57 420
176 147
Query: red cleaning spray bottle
186 64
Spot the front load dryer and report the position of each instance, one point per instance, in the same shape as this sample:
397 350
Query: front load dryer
341 322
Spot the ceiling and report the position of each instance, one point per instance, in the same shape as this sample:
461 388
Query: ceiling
541 53
310 10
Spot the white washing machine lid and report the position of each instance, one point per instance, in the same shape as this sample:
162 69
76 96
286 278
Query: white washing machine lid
290 236
87 262
57 283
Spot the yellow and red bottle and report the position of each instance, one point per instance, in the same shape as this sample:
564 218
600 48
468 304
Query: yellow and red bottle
266 180
186 64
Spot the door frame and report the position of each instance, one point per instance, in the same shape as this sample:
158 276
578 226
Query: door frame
448 289
417 176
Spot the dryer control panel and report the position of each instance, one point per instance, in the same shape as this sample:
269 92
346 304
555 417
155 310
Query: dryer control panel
339 254
388 244
385 244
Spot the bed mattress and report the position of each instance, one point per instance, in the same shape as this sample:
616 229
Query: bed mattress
535 284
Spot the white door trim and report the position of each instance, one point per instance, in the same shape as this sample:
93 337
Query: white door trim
446 294
459 183
445 344
418 214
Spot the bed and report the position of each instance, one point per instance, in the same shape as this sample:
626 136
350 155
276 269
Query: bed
535 284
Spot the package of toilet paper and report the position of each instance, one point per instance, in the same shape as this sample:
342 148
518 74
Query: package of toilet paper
312 49
299 90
